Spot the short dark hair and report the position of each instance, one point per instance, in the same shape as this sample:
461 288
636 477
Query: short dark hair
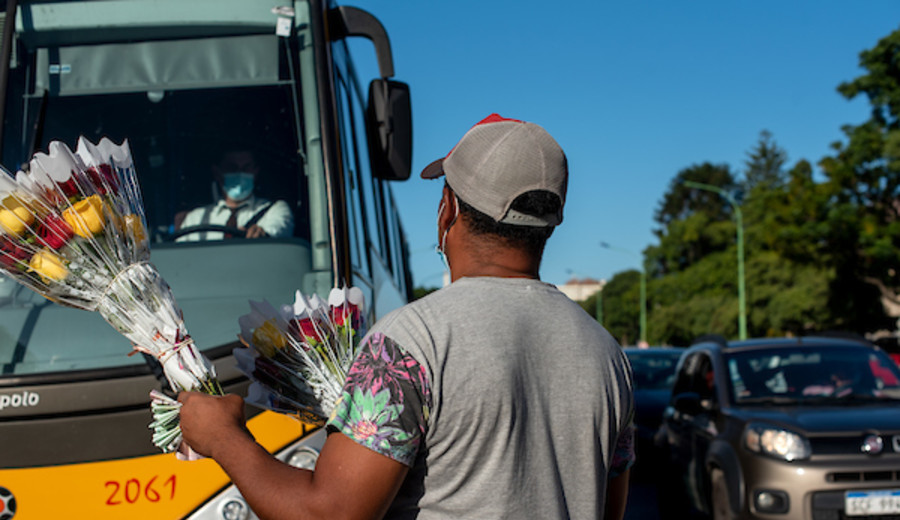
530 238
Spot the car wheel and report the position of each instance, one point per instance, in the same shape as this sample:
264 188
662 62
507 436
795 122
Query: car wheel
721 503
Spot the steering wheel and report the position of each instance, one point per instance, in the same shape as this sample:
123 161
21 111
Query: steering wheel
236 232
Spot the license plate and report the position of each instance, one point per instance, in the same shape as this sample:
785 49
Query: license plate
859 503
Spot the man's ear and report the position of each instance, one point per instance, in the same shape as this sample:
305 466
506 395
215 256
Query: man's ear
449 211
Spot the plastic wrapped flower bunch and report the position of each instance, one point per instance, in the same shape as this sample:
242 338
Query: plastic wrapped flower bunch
298 356
72 228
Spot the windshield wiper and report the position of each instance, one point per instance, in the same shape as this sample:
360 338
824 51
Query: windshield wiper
866 398
848 398
768 399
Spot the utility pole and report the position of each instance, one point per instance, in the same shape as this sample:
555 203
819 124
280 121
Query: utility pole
742 298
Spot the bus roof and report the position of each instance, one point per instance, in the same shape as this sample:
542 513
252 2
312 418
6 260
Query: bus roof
87 21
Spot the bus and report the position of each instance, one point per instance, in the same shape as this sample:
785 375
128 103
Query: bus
183 82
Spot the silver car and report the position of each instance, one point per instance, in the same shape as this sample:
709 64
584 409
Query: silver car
793 428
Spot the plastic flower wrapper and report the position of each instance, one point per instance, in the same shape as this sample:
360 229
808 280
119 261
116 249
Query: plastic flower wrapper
298 356
72 228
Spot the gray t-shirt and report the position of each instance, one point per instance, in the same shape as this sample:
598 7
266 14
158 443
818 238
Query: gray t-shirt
513 400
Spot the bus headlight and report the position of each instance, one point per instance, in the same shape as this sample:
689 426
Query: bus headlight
234 508
303 457
776 442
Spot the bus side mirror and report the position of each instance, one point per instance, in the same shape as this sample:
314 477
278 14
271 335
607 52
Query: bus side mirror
389 121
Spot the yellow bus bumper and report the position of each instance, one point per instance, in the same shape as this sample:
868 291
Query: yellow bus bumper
155 486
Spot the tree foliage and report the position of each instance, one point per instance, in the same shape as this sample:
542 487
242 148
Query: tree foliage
864 178
621 299
764 167
681 201
420 292
817 254
694 222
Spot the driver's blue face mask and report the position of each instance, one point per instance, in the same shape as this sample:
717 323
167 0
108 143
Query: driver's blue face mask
238 185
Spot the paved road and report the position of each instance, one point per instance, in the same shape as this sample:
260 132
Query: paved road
642 504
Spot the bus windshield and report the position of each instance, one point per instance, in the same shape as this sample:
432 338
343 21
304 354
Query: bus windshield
184 115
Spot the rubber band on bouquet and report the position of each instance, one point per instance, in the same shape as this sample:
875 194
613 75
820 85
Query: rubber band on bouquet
120 274
163 355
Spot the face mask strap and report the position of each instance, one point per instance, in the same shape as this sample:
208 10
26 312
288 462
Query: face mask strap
440 247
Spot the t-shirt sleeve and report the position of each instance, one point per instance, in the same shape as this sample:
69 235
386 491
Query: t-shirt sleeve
623 456
385 402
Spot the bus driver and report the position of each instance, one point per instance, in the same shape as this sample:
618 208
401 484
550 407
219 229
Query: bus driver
235 174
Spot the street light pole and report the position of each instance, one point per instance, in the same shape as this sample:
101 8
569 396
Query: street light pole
739 220
643 322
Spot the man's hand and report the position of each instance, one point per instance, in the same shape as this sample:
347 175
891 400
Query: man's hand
255 231
351 481
209 422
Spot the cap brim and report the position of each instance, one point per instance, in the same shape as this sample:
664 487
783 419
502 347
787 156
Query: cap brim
433 170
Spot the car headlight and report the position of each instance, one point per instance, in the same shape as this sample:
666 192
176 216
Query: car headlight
776 442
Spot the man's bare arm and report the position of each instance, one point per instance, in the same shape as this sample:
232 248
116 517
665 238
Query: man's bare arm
617 496
350 481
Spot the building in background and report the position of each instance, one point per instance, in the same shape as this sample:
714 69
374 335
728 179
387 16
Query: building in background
580 289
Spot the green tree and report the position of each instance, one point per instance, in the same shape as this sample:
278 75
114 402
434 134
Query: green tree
694 223
765 163
792 218
419 292
864 176
786 270
698 300
590 304
622 306
680 201
818 255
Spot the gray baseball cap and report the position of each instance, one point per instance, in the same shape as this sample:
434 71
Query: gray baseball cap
499 159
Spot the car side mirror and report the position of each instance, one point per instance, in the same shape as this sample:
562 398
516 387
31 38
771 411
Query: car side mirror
389 121
688 403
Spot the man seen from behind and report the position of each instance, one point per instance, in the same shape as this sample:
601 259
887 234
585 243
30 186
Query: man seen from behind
494 397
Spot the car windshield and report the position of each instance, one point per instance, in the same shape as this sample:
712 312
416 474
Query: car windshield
812 375
653 369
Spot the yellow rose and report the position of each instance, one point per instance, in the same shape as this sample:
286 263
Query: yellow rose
15 217
135 227
48 265
268 338
86 216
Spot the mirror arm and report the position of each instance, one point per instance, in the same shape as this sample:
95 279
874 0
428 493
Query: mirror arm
351 21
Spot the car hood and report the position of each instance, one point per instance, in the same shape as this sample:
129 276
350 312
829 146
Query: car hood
828 419
649 406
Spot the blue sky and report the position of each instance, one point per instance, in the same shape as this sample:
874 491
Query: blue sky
634 91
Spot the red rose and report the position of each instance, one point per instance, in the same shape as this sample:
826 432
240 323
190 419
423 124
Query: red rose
11 254
305 329
340 315
104 178
308 328
54 231
70 187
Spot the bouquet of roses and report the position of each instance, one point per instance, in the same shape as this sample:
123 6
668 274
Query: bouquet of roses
72 228
298 356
